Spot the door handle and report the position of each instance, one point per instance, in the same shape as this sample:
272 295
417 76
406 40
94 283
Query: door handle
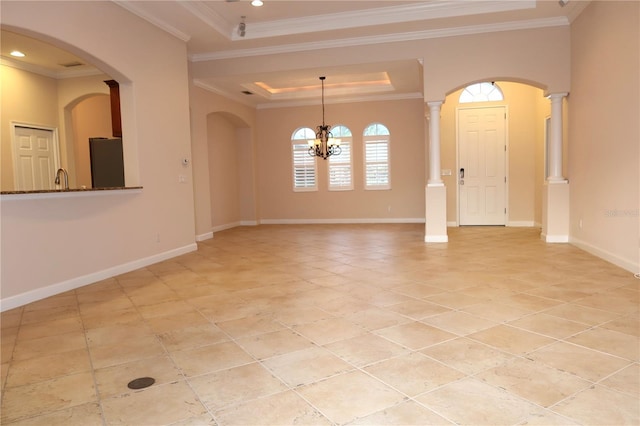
462 173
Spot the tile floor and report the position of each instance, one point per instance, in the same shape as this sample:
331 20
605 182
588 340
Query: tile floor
347 324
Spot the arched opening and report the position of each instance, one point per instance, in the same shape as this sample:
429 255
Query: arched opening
231 171
516 193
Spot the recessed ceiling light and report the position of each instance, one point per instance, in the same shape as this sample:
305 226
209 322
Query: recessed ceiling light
17 54
257 3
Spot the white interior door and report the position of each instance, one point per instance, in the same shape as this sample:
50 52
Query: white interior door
35 158
481 165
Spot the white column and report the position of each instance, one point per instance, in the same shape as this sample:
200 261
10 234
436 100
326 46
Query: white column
555 138
434 143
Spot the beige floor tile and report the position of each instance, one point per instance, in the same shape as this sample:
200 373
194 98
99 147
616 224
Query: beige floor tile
235 385
417 309
49 314
50 328
405 413
250 326
626 380
496 311
92 320
628 325
472 402
466 355
611 342
88 414
548 325
306 366
414 373
511 339
42 346
366 349
349 396
192 337
47 367
11 318
164 404
286 408
120 353
259 282
583 362
582 314
113 381
165 309
293 315
534 381
329 330
275 343
163 324
117 334
600 406
210 358
376 318
415 335
458 322
44 397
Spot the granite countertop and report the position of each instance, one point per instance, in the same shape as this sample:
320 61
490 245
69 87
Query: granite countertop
58 191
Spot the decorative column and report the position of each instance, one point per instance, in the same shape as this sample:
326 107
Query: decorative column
555 200
435 192
555 138
434 142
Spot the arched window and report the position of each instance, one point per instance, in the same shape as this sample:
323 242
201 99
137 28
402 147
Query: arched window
340 166
376 138
304 165
481 92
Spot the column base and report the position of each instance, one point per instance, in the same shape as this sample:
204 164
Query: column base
436 213
555 212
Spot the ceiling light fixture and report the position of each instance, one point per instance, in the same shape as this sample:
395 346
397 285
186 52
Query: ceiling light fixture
324 144
257 3
17 54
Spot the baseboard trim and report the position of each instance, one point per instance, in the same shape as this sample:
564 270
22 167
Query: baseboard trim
53 289
631 266
521 223
338 221
436 239
554 239
204 237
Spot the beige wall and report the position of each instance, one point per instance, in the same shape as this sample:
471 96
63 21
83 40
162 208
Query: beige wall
91 118
604 147
206 106
54 243
27 98
525 165
405 200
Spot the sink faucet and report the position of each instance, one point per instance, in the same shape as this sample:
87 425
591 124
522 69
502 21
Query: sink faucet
65 175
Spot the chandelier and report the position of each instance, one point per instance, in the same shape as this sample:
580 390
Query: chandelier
324 145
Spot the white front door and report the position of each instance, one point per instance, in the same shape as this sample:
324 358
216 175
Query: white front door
481 165
35 158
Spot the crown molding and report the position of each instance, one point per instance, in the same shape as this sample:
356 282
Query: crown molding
214 89
387 38
379 16
344 100
198 9
131 7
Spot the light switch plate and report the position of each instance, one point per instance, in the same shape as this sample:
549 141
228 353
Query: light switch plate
446 172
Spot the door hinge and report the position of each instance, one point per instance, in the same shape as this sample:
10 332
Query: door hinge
505 210
505 179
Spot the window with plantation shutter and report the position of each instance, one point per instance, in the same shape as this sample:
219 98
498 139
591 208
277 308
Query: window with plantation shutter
304 165
340 166
376 157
